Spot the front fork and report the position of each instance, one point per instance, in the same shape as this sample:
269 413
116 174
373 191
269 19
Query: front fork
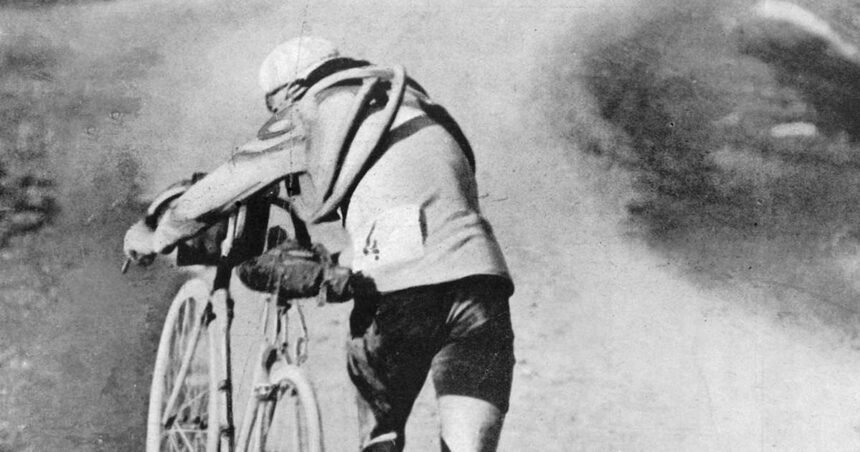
221 385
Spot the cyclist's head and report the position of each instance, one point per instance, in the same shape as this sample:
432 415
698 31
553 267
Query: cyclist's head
289 64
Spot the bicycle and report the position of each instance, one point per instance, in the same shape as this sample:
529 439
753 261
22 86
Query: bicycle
191 399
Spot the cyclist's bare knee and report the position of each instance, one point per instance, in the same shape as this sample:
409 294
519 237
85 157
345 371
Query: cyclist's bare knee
469 424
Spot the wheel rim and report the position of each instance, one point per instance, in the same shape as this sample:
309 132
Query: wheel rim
295 422
184 427
282 427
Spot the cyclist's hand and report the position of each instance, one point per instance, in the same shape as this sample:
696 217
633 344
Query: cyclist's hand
137 245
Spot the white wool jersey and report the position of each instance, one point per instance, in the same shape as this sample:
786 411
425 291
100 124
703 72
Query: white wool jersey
414 217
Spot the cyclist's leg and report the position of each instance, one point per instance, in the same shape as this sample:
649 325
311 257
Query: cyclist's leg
472 373
469 424
390 353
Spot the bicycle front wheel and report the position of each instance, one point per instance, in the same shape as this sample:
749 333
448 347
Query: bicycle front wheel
182 407
291 421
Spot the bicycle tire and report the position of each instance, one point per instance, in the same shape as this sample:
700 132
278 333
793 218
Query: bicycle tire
293 421
192 423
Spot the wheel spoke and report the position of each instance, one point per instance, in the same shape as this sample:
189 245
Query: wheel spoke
179 408
187 356
185 438
173 442
189 403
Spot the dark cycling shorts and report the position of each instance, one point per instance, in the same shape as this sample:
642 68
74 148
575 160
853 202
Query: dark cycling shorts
461 331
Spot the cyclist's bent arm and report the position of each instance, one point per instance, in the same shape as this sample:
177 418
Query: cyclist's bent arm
214 195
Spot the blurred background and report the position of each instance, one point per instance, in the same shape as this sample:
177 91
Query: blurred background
674 183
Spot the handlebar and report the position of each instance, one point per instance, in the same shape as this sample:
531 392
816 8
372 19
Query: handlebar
247 225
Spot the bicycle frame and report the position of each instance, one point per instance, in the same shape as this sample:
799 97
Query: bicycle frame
245 236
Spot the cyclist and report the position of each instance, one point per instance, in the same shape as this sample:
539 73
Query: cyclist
368 148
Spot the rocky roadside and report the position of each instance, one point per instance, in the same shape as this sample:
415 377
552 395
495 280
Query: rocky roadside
27 287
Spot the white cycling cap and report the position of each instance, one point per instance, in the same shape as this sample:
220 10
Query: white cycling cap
294 59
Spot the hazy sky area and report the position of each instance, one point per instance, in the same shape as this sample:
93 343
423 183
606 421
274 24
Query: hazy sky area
686 275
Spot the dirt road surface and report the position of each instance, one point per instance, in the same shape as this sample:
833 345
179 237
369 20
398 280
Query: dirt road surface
707 339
